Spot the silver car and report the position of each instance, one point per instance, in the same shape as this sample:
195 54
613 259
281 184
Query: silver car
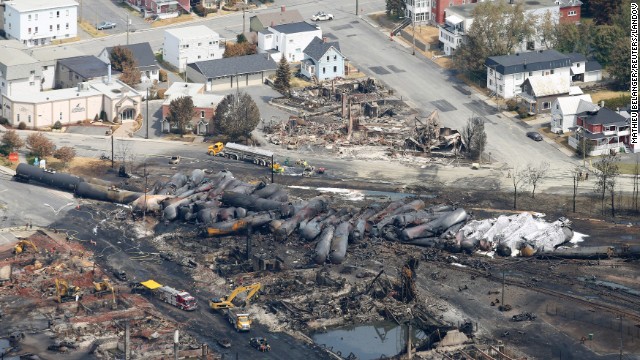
106 25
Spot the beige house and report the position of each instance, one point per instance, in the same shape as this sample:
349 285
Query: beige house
70 106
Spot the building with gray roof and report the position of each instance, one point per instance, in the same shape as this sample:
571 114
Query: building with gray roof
144 57
262 21
74 70
227 73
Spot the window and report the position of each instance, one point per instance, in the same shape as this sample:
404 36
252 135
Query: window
546 105
557 106
530 73
67 26
335 57
50 27
32 72
210 42
57 13
60 115
202 114
67 12
70 76
36 30
491 72
519 76
29 30
335 69
198 56
324 70
29 18
45 68
327 58
50 14
579 64
552 71
572 13
17 117
199 44
490 82
58 27
29 118
36 17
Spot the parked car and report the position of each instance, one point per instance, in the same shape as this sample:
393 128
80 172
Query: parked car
322 16
106 25
534 135
260 343
224 342
175 160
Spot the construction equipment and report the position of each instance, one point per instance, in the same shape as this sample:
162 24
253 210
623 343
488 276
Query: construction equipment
239 319
22 245
179 299
226 302
260 343
104 287
66 292
278 169
215 149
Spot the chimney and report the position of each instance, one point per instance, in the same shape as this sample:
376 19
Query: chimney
325 39
602 103
109 73
273 23
283 8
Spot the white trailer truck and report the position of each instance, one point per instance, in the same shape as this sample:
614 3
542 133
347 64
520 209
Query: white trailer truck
247 153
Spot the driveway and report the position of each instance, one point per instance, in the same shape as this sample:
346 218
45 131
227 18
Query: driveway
155 125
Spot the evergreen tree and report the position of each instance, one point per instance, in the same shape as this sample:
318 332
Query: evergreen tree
283 77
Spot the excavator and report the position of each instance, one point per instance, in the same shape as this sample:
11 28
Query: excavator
67 292
226 302
22 245
104 287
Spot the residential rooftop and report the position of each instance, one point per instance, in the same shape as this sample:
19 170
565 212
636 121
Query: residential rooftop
318 47
142 53
604 116
248 64
279 17
95 87
54 53
297 27
198 31
528 61
33 5
87 66
11 57
466 10
184 89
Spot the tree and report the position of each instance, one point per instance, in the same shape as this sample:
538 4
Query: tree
620 63
122 60
518 180
240 38
12 140
474 137
283 77
604 37
548 31
603 10
574 38
622 18
181 113
584 148
65 154
239 49
607 170
498 28
395 7
535 175
40 145
237 115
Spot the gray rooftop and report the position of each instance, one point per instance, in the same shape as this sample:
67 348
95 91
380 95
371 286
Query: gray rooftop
32 5
569 3
239 65
88 67
528 61
190 32
592 65
142 53
53 53
466 10
317 48
603 116
11 57
297 27
576 57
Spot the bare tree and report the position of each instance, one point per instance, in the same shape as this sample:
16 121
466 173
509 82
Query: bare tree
65 154
125 155
474 137
40 145
535 175
12 140
518 180
607 170
576 182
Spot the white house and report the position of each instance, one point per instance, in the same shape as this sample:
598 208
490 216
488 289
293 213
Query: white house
190 44
323 60
288 40
564 111
144 57
505 74
38 22
458 20
419 10
19 73
584 70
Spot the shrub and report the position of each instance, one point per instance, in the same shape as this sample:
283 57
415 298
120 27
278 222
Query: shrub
4 121
512 105
96 118
162 75
103 115
57 125
161 92
523 112
22 125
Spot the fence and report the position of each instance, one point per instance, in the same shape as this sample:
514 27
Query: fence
609 322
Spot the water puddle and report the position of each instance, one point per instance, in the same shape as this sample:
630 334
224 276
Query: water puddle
368 342
357 195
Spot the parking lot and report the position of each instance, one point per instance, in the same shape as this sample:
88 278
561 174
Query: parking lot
97 11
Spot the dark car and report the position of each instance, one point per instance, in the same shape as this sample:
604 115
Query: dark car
534 135
260 343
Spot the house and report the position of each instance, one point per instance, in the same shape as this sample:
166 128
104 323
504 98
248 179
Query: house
458 21
48 57
570 11
190 44
228 73
144 57
42 109
204 107
323 60
72 71
19 72
287 40
606 131
506 73
163 9
584 70
564 111
539 92
39 22
262 21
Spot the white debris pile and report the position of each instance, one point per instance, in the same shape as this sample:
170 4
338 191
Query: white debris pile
511 235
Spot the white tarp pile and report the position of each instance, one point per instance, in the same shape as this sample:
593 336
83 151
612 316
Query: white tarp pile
517 232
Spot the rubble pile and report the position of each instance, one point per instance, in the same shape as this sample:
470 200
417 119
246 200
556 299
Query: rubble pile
359 114
224 205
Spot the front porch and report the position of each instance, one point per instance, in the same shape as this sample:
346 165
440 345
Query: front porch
601 146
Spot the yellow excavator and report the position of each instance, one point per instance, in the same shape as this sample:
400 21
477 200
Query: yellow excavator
226 302
214 149
104 287
67 292
22 245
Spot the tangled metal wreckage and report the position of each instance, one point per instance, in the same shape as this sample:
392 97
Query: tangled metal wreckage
360 113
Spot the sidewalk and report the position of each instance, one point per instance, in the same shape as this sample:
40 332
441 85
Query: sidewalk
127 129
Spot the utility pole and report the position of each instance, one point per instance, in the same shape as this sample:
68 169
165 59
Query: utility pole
112 150
146 179
272 164
413 35
244 9
80 14
147 116
128 23
620 317
503 304
357 10
175 345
